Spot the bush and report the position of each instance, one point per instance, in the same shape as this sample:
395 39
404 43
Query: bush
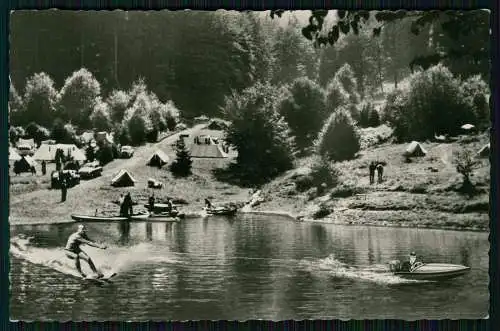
304 110
339 139
323 211
475 93
183 163
105 154
101 118
63 133
40 98
123 136
37 132
433 104
258 132
118 102
15 132
78 98
336 96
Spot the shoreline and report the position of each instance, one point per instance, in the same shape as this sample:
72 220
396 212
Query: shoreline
289 216
330 220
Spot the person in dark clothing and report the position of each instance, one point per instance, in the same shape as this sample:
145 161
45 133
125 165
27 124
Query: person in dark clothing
127 205
64 189
170 206
372 172
33 170
151 203
208 204
380 171
44 168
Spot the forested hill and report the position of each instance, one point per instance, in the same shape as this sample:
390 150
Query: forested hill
197 58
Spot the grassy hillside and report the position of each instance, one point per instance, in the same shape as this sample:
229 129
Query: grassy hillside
31 201
420 193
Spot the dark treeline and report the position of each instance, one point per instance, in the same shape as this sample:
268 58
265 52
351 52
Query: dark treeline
197 58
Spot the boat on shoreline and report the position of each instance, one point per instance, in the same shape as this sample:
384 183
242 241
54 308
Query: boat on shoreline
428 271
220 211
141 217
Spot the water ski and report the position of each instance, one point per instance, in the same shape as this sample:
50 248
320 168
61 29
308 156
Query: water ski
105 278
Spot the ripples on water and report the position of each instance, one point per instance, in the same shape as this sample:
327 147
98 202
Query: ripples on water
245 269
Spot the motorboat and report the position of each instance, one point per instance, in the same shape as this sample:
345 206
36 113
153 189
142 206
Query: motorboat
427 271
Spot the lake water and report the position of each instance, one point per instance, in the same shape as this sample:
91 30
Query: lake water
247 268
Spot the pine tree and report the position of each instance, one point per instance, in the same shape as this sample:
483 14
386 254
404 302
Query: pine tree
182 165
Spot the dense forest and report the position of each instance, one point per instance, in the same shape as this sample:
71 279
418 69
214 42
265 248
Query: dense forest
196 58
137 73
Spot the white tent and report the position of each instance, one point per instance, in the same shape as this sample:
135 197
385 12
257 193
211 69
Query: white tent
159 158
13 155
48 152
415 149
123 178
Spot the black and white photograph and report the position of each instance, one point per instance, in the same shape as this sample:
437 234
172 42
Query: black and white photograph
249 165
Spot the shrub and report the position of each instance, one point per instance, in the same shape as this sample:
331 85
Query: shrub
40 98
304 110
123 136
63 133
37 132
433 104
78 98
258 132
323 211
183 163
339 139
118 102
105 154
336 96
475 93
101 118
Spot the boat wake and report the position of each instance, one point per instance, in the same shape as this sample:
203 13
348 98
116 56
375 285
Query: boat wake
375 273
116 259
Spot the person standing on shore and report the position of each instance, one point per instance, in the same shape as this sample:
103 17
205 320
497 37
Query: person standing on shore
380 171
372 172
64 189
44 167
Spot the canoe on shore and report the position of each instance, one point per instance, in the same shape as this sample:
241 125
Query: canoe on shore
221 211
136 217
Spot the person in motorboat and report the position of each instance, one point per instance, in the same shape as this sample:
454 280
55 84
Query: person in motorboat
411 264
74 251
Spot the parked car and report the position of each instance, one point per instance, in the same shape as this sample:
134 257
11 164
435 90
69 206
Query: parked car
153 183
90 170
127 151
24 150
72 178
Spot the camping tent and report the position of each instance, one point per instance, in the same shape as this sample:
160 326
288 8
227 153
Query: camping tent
467 127
24 164
13 155
484 151
158 159
48 152
415 149
123 178
207 151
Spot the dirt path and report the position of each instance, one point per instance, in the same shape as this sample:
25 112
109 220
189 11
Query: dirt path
87 193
